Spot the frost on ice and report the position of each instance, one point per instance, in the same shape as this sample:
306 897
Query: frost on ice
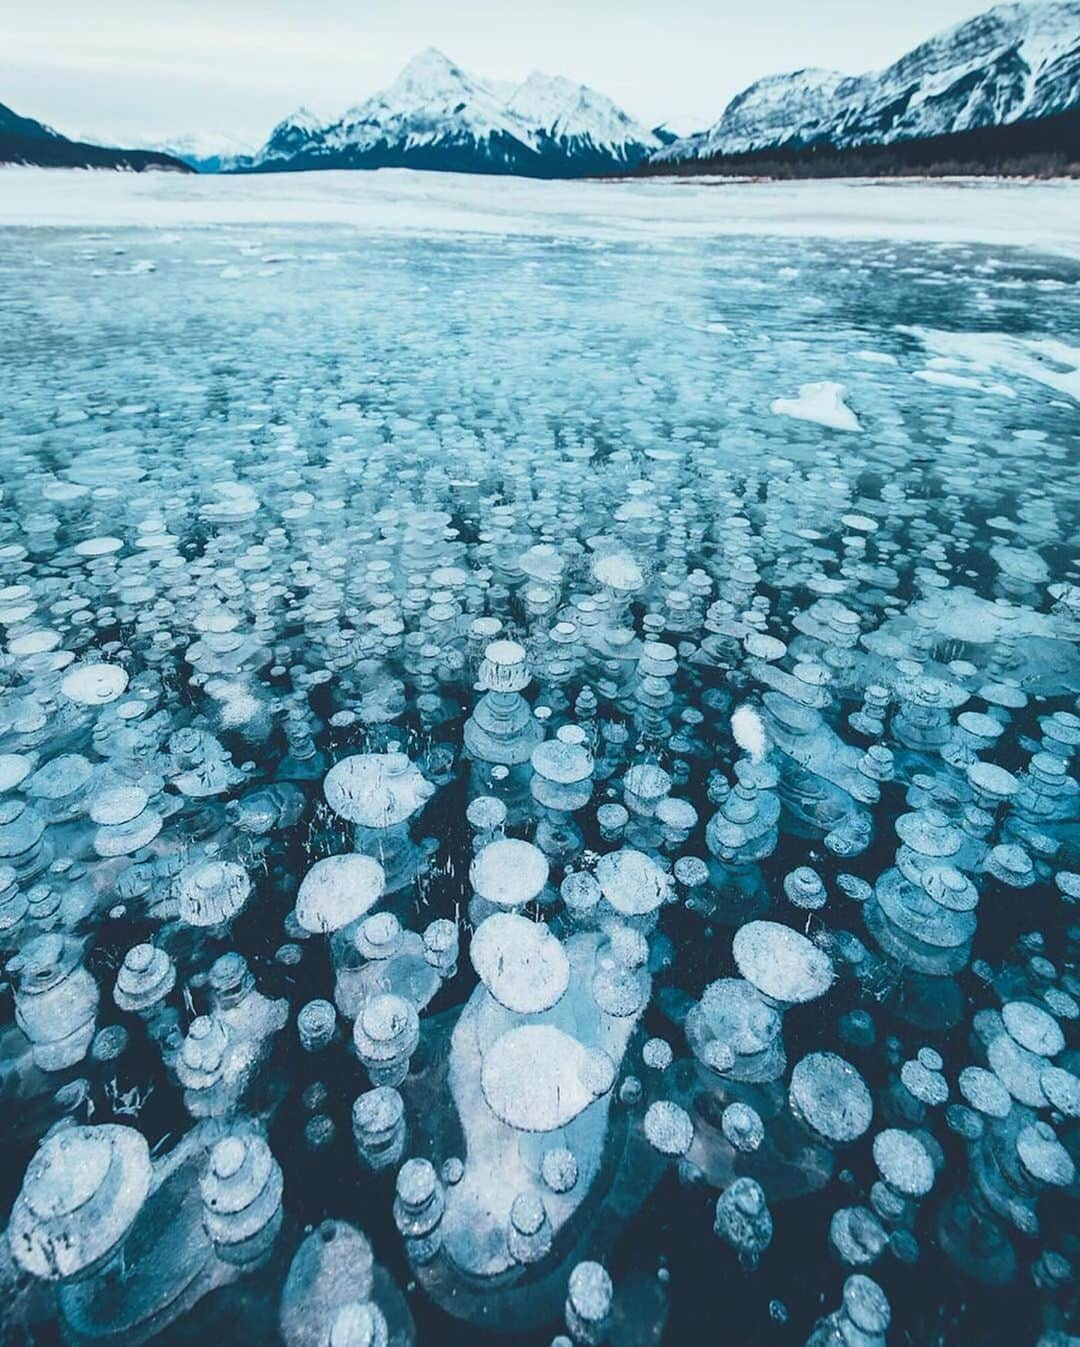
501 840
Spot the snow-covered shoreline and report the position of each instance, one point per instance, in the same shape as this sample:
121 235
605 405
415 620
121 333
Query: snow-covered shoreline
1042 215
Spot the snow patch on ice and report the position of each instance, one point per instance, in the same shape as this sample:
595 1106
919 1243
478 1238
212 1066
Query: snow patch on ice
1042 359
944 378
820 402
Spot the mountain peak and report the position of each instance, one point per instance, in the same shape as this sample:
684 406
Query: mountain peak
574 112
537 79
437 115
430 72
431 59
290 134
303 119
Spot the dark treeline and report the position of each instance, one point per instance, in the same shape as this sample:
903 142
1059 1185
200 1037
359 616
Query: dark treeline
59 152
1046 148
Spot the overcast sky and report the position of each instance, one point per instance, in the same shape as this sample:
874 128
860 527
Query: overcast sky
127 69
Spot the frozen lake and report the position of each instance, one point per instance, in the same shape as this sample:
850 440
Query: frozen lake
434 303
503 686
1027 214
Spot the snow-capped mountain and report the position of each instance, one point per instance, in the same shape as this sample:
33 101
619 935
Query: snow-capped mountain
290 136
1015 62
776 110
582 124
204 151
435 115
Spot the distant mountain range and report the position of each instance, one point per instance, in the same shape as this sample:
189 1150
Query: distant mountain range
203 151
1000 90
25 141
1014 63
436 116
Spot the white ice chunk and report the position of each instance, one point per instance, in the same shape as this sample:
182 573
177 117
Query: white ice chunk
820 402
1043 359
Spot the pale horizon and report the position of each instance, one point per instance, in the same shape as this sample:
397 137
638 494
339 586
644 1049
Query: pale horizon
192 67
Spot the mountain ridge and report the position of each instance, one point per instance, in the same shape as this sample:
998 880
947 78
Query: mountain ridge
436 115
1012 63
23 140
1016 64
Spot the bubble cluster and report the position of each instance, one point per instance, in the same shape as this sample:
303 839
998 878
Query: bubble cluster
502 833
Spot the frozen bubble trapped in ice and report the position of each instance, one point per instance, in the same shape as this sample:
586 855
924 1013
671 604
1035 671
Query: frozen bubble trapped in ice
60 778
338 890
904 1162
509 873
669 1128
804 888
866 1305
94 684
1044 1157
783 965
377 790
119 805
657 1054
926 1085
742 1127
213 892
831 1096
632 882
521 962
14 768
559 1169
1033 1028
619 571
537 1078
1062 1088
80 1194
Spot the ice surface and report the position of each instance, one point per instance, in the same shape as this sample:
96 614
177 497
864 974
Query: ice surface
398 200
470 772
